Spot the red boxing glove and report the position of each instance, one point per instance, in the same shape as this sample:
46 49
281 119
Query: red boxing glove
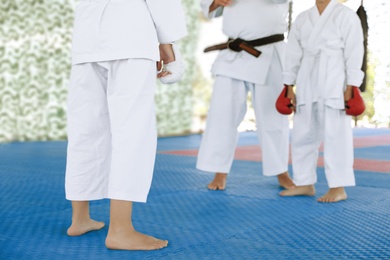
355 106
283 103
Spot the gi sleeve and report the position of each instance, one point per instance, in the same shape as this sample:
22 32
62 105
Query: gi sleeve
281 1
205 5
353 49
169 20
293 56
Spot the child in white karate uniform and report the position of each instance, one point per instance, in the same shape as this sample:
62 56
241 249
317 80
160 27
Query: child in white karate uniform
323 59
261 23
111 118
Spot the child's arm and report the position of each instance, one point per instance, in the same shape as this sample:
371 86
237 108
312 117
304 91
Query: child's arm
219 3
171 68
169 19
348 93
352 34
214 8
293 55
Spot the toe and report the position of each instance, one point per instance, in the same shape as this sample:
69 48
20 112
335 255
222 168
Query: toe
212 187
282 193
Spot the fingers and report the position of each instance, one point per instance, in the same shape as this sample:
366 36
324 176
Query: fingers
346 105
160 66
223 2
173 71
291 96
294 103
163 74
292 106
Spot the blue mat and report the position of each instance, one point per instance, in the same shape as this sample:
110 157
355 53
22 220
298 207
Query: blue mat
247 221
373 153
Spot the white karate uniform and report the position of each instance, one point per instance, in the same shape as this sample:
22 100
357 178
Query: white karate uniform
324 55
239 72
119 29
111 118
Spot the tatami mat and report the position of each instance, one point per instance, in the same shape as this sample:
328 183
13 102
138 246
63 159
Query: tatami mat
247 221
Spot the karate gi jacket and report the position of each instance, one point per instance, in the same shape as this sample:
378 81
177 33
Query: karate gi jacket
121 29
249 20
324 55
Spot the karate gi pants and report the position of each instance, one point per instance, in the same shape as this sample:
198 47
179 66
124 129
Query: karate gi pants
333 127
111 130
227 110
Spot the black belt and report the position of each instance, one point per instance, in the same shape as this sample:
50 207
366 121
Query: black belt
248 46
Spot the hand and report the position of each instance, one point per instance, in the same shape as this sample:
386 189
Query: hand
161 72
166 53
166 56
348 93
218 3
222 2
354 102
171 67
291 96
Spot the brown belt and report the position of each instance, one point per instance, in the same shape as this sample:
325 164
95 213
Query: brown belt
248 46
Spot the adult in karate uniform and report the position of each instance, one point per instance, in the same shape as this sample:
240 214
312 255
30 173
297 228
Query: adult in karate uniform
237 73
323 59
111 117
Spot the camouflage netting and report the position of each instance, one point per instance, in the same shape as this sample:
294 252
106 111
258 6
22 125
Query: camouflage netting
35 41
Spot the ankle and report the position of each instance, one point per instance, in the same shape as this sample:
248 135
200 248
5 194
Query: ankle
337 189
81 219
282 175
119 228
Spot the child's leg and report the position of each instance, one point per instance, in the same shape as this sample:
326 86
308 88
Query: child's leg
338 154
227 109
272 127
89 137
121 233
130 96
88 144
305 141
81 220
273 134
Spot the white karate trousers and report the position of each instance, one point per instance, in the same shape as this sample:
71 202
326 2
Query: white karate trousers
227 110
333 127
111 130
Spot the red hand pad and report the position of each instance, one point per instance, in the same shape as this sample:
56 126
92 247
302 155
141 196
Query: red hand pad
355 106
283 103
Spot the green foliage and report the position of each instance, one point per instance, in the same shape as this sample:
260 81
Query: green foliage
174 102
35 65
34 70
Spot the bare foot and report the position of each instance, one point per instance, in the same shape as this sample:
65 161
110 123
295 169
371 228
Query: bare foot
285 181
307 190
334 195
133 240
219 182
78 229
